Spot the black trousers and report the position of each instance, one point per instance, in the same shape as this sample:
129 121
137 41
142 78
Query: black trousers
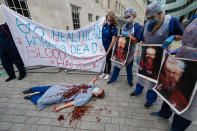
108 63
9 57
179 123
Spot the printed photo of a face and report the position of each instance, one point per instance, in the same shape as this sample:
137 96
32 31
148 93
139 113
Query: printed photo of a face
121 49
177 81
150 62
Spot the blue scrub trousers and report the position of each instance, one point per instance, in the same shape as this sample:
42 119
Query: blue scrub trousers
179 123
41 89
151 96
116 72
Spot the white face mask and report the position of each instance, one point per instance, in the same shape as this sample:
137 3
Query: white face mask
129 20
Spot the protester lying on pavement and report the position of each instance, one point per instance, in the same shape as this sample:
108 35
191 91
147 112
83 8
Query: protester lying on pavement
75 95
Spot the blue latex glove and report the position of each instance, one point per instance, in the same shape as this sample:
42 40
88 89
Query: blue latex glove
167 42
173 52
124 33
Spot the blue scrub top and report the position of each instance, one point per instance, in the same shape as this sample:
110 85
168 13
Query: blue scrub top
175 27
83 98
137 30
107 32
193 18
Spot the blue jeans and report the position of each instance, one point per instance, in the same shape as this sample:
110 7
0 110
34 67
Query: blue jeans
151 96
117 70
179 123
41 89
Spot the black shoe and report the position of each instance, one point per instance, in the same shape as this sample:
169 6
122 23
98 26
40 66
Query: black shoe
133 94
21 77
10 78
147 105
157 115
28 97
26 91
109 82
131 84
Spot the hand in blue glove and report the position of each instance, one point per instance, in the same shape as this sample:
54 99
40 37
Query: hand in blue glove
167 42
173 52
124 33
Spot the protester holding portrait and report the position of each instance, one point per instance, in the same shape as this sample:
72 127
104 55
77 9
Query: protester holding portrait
109 33
132 29
159 29
183 121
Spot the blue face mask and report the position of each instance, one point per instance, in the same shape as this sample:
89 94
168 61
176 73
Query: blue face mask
96 90
153 21
129 20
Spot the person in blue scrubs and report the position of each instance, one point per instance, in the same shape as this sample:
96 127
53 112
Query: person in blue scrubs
75 95
109 34
132 29
183 121
159 29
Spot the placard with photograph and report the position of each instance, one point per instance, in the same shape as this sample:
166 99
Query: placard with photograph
121 49
177 82
150 61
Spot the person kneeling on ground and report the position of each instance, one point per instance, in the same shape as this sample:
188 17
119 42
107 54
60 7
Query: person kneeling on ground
75 95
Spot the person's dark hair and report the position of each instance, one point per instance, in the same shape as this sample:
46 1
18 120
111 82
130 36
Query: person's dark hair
102 95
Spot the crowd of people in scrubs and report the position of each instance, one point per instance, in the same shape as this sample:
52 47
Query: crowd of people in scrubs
159 29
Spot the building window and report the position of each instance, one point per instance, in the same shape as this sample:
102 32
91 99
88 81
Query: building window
20 6
96 1
97 17
170 1
90 17
75 16
108 3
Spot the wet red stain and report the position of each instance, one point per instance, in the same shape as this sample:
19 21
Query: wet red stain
98 119
60 118
76 89
78 113
84 91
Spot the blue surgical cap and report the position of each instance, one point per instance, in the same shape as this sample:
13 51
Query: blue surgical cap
153 9
129 11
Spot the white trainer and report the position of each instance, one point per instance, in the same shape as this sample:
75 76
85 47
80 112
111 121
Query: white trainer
101 75
106 76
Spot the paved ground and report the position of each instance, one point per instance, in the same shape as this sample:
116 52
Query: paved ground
120 111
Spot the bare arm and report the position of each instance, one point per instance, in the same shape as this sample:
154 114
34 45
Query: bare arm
111 45
94 79
63 106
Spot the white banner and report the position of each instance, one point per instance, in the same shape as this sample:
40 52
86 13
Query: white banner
40 45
